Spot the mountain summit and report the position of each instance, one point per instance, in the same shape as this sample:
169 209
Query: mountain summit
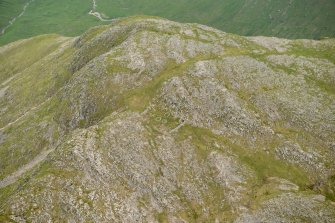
149 120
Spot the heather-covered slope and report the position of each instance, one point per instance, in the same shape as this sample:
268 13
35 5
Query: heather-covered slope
148 120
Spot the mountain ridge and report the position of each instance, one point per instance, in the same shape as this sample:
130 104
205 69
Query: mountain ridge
151 120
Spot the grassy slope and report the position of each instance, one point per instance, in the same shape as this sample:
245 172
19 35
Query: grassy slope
299 19
33 74
69 18
9 9
289 19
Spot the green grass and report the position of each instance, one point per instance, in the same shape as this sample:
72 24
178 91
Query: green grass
10 9
298 19
64 17
22 55
301 19
37 77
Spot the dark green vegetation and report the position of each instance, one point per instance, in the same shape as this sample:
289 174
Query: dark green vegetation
312 19
149 120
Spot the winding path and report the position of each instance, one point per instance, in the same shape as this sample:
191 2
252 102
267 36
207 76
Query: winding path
11 22
94 13
12 178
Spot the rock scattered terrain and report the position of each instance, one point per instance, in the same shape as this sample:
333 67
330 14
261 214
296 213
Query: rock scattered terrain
149 120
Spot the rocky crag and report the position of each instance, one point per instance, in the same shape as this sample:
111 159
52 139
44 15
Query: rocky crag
148 120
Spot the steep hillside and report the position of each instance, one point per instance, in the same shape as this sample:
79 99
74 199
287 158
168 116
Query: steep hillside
148 120
312 19
65 17
9 10
286 18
